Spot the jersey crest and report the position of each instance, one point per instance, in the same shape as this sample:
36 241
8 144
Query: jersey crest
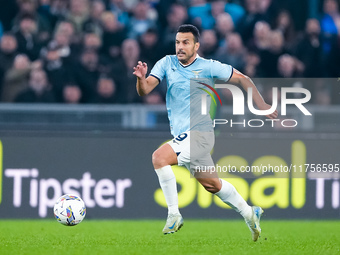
196 72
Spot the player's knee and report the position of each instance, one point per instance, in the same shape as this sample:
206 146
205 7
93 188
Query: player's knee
211 187
158 160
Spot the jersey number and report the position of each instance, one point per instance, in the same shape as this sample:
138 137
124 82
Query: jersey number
181 137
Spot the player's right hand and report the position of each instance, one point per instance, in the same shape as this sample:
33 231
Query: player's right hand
266 106
140 70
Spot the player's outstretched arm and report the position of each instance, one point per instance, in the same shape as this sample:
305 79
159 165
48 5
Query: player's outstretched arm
144 85
240 79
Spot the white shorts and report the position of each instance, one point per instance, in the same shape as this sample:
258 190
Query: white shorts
193 149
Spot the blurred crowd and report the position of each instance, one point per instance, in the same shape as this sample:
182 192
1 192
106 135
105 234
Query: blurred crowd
84 51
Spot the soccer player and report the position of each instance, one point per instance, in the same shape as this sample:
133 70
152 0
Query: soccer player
178 70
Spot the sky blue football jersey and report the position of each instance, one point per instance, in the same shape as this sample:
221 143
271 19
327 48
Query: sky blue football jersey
183 97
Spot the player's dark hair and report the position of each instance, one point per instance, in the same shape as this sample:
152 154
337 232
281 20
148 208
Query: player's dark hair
188 28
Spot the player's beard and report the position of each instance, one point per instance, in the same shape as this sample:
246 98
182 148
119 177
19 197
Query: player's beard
186 60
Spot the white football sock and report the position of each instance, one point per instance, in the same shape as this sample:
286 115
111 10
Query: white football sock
167 180
229 195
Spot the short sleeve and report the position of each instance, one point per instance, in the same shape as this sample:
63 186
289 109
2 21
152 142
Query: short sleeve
158 71
221 71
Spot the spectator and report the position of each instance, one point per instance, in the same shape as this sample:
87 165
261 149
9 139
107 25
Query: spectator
217 8
62 43
288 67
328 21
299 10
8 11
285 24
163 9
58 59
309 50
176 17
8 51
333 66
257 10
29 8
122 71
27 37
140 22
93 24
252 61
233 53
270 56
334 57
87 74
16 78
72 94
235 11
38 91
224 26
92 41
79 13
1 30
53 10
67 28
261 39
83 33
153 98
118 8
113 35
150 47
267 10
209 44
106 92
200 14
55 68
248 22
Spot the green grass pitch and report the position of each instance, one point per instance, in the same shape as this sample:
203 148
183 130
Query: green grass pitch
145 237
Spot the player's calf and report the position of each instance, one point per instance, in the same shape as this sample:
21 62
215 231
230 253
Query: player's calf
211 185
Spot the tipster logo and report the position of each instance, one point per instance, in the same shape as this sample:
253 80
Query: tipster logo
103 193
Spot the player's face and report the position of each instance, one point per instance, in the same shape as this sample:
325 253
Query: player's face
186 48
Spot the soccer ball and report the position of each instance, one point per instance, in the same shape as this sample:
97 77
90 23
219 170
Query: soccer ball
69 210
